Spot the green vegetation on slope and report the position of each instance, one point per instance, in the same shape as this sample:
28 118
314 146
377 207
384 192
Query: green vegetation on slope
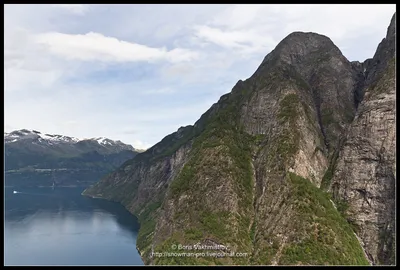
380 85
221 152
147 226
221 156
327 178
287 142
288 108
325 238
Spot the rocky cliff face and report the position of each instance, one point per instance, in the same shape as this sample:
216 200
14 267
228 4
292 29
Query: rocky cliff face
365 174
251 174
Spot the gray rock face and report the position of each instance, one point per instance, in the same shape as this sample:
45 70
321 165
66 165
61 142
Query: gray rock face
147 182
385 52
366 170
310 66
326 78
238 175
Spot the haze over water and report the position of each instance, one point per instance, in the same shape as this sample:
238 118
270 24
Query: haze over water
62 227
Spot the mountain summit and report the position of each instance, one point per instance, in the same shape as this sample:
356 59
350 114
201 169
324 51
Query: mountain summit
295 166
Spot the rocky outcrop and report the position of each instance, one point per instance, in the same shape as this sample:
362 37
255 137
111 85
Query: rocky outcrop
310 66
248 174
365 174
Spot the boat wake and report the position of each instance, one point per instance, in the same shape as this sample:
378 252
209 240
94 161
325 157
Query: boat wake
36 194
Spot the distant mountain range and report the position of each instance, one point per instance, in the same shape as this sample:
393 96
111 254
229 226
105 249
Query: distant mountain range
36 159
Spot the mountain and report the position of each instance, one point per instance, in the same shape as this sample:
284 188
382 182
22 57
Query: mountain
279 168
33 158
364 172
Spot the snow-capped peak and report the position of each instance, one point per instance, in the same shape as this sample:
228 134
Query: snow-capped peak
21 134
104 141
59 138
36 135
50 139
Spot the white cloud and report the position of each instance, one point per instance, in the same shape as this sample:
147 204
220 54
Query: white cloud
258 28
79 9
95 46
140 145
241 16
28 65
247 41
210 69
88 76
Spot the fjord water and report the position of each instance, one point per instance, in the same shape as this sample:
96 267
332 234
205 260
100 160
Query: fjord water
61 227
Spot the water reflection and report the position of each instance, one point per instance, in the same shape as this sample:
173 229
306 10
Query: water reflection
61 227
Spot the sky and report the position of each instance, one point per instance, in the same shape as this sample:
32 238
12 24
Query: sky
137 73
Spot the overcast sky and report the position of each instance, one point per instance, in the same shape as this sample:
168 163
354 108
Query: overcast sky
137 73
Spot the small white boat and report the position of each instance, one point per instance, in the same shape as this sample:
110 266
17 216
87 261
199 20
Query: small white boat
15 191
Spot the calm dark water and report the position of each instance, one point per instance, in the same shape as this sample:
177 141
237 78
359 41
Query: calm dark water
61 227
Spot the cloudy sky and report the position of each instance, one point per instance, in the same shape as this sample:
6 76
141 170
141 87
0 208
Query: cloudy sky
137 73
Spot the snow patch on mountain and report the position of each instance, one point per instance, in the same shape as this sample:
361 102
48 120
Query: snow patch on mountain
50 139
59 138
104 141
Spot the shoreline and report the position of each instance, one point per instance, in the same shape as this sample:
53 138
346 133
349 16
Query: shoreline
96 197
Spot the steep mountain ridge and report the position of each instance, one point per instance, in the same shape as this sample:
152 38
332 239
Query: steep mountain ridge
365 174
33 158
247 174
